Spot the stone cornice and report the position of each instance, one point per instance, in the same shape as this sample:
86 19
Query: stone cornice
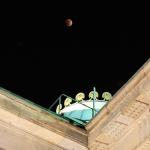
36 115
125 117
128 93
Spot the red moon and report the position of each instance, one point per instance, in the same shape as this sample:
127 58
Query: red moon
68 22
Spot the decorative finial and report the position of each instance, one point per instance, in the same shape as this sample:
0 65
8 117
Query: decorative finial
80 96
91 95
58 108
107 96
67 101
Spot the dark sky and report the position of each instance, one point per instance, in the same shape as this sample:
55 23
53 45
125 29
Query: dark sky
41 59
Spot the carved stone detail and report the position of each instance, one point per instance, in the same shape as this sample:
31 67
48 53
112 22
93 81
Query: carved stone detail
144 98
115 129
99 146
135 109
119 125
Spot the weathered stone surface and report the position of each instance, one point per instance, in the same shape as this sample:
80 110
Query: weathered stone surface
39 123
124 124
144 145
144 98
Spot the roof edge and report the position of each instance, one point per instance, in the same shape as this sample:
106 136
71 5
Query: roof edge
117 98
39 115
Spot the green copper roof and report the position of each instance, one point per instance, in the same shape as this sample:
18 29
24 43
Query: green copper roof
75 111
79 110
52 113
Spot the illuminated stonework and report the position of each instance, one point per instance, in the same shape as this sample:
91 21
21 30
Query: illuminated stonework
122 124
78 110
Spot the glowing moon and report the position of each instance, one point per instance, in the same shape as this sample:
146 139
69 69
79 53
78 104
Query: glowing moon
68 22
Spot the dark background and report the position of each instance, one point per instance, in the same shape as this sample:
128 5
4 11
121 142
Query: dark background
41 58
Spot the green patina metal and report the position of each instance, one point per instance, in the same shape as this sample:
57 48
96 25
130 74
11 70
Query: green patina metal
31 102
62 118
81 111
76 117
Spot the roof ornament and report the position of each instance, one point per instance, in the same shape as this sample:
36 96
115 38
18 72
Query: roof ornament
107 96
79 97
91 95
79 109
58 108
67 101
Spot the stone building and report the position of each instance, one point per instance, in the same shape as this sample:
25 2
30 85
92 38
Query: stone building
122 124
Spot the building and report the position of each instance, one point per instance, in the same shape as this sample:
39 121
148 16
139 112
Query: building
122 124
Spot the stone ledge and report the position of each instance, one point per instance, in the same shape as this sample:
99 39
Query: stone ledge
23 109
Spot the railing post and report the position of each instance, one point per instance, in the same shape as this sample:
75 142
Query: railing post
94 97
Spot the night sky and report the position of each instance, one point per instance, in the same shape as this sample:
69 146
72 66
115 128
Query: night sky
41 58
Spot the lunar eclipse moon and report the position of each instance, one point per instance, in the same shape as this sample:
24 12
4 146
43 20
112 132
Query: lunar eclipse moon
68 22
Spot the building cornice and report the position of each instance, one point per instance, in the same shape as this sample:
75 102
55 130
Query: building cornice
23 109
116 120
